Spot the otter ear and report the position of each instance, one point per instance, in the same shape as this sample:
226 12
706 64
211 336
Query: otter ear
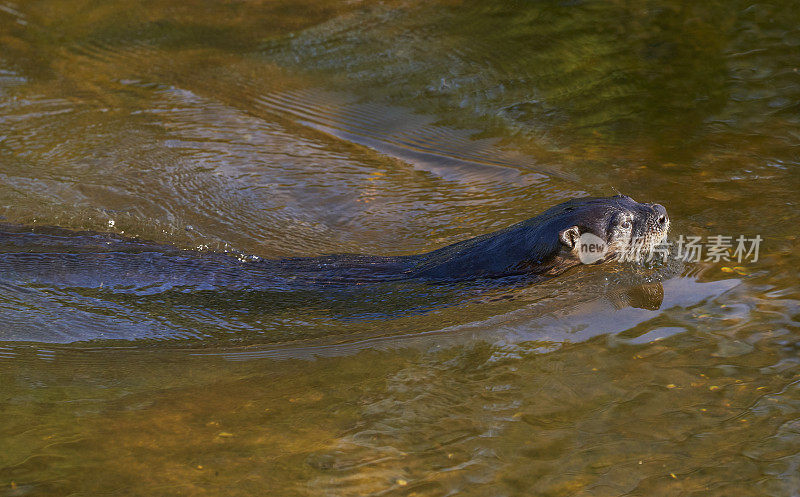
569 236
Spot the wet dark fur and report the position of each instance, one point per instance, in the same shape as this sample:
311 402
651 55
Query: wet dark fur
538 246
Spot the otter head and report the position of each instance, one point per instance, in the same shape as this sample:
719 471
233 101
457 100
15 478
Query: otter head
619 227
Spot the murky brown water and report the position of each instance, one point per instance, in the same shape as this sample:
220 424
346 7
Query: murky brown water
278 129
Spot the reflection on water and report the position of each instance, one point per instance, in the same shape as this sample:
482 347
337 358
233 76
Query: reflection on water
285 129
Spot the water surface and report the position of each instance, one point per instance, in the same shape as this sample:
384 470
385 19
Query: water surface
288 129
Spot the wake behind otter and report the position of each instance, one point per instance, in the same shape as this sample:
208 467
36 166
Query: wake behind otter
130 266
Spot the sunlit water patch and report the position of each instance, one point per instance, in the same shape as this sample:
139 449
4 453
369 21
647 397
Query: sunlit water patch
269 130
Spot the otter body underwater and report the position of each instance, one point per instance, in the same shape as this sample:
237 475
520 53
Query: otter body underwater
544 246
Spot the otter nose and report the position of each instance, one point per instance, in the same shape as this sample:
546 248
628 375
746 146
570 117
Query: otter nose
661 214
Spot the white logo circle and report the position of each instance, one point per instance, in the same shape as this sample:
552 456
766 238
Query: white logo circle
591 248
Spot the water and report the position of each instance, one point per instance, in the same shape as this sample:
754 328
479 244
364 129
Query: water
286 129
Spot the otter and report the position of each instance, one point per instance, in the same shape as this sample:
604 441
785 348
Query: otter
544 246
548 243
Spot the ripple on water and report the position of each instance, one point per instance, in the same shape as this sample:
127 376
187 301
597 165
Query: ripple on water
398 129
